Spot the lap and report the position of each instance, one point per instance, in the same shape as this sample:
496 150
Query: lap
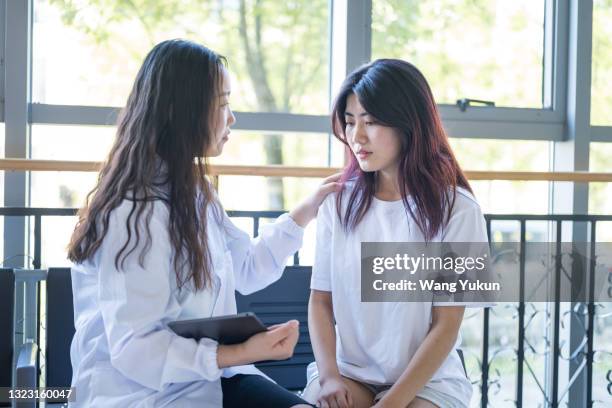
256 391
363 395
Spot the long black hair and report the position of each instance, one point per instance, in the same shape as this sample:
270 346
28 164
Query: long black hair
396 93
165 124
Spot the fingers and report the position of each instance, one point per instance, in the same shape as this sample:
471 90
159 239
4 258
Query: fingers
341 400
287 326
332 178
330 188
349 399
335 400
280 332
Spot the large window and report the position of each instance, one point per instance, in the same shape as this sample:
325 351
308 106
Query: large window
88 52
481 49
600 194
601 72
514 155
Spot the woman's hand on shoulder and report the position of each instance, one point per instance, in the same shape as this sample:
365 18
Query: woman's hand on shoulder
307 209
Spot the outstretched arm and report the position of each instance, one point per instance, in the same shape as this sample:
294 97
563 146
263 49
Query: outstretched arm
260 261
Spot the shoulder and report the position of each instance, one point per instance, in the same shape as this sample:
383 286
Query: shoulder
330 203
465 202
466 223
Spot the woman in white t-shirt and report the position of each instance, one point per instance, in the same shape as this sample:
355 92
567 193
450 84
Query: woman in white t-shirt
402 184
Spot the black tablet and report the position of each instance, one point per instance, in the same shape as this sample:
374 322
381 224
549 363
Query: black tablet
230 329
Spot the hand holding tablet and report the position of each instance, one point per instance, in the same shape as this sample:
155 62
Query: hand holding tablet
277 343
255 342
231 329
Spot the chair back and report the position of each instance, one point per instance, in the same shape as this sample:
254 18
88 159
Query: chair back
60 327
7 333
284 300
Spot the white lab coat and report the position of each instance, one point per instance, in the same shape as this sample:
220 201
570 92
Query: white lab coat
123 354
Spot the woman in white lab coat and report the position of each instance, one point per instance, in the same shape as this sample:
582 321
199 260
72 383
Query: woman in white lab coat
153 245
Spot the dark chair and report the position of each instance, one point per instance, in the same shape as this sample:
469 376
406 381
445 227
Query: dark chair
284 300
7 308
59 333
60 327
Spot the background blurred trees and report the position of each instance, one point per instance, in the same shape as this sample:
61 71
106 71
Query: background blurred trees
278 54
278 50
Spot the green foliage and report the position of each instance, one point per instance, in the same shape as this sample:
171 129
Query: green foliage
467 48
601 90
287 40
278 51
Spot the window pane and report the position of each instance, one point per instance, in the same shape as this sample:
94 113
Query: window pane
78 143
501 155
600 193
291 149
479 49
526 197
60 190
82 55
601 89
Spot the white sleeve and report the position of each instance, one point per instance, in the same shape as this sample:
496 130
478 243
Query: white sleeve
261 261
321 270
136 304
466 225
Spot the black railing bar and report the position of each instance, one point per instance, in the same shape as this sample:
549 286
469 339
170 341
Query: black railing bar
557 311
36 263
548 217
37 241
591 318
255 226
521 318
30 211
484 385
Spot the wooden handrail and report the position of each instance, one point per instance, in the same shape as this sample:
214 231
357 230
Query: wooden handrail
289 171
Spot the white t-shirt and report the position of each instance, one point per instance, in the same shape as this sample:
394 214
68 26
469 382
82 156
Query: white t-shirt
376 341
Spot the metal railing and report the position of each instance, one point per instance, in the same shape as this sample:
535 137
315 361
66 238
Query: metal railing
552 395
